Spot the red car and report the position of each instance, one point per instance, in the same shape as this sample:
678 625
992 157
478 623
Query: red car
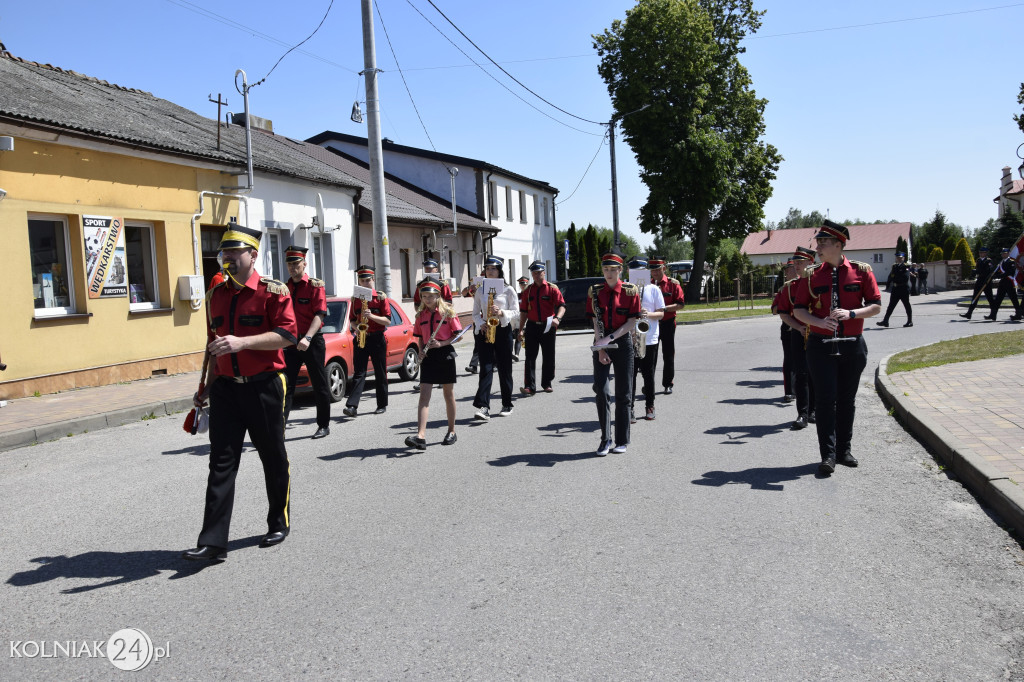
403 348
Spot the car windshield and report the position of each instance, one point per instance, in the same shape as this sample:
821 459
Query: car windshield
335 320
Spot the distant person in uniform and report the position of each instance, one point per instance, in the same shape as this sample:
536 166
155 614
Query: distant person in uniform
1006 271
309 302
983 271
900 276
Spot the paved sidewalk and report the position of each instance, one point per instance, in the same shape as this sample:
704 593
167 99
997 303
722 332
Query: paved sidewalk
969 414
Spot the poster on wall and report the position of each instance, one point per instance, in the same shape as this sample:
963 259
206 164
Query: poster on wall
104 256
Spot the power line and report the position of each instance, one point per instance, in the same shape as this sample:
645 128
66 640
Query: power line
890 21
492 77
260 81
521 84
599 146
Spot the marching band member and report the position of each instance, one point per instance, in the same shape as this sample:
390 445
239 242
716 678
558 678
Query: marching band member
375 350
309 302
615 316
983 270
540 300
672 292
522 282
474 361
838 295
793 337
652 308
505 311
430 267
250 320
1006 271
436 326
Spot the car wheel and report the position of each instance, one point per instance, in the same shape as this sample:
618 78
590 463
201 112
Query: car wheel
410 367
337 381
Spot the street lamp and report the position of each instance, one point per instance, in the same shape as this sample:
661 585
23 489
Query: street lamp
1020 168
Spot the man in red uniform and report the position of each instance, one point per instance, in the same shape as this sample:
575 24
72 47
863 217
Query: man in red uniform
793 337
250 320
837 296
615 315
309 302
672 292
376 348
537 302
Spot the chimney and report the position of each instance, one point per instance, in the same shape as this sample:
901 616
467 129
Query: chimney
256 122
1007 183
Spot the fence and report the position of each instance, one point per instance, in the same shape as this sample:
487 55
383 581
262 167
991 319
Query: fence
749 290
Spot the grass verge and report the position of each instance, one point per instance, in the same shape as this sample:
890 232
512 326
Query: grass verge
980 347
720 314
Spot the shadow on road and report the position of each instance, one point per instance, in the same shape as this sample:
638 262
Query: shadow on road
754 401
766 369
737 434
363 454
116 568
764 383
566 428
759 478
539 460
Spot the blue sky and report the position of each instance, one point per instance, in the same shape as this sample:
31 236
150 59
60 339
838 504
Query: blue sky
882 110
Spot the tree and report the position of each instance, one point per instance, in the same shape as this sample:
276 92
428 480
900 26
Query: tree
1020 100
698 141
949 245
962 253
921 251
795 219
901 245
592 266
984 235
935 254
936 232
671 247
1010 228
575 254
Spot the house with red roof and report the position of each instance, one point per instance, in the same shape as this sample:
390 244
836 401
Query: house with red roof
1011 193
873 244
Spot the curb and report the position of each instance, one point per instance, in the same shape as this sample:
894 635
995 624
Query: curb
70 427
983 479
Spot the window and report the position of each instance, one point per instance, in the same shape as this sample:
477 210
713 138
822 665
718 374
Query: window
522 206
317 264
494 198
508 203
49 246
406 274
140 252
273 257
878 258
545 209
536 209
512 270
453 267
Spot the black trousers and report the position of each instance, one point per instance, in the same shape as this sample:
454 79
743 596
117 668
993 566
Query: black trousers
313 359
256 408
645 367
536 340
803 387
787 364
1007 287
667 341
497 355
836 379
622 363
474 361
376 351
899 293
981 287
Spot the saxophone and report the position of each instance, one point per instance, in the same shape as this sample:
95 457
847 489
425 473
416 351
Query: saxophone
492 322
640 331
364 323
598 316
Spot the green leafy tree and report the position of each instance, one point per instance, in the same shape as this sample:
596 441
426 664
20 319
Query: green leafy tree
949 245
796 219
574 251
1020 100
604 243
937 231
935 254
593 258
901 245
984 235
1010 228
962 253
671 247
699 141
920 253
560 237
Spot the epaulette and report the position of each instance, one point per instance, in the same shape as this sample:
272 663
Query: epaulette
630 289
860 265
595 289
554 286
318 283
274 286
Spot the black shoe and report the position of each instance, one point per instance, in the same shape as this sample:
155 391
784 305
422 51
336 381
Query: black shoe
275 538
205 553
528 391
1015 318
471 369
990 317
827 466
349 411
322 432
449 438
909 324
882 323
812 418
788 398
966 316
415 387
417 443
668 390
848 460
800 423
380 410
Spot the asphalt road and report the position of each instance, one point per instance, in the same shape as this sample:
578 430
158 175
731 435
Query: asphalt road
709 551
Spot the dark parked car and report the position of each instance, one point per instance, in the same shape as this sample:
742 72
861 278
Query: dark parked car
403 349
574 291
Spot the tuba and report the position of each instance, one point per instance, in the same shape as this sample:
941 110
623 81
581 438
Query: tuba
364 323
492 322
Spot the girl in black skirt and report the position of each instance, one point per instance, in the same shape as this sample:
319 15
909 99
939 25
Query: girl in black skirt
436 326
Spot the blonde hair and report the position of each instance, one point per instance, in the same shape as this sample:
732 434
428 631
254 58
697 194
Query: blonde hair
443 306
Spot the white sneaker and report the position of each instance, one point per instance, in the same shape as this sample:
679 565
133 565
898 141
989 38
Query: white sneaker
618 449
606 445
505 412
483 413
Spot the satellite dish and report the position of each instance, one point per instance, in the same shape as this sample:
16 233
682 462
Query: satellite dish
320 224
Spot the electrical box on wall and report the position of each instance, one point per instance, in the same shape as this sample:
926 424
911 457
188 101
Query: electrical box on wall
191 288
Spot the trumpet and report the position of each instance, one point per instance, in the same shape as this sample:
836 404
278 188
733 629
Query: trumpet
364 324
492 322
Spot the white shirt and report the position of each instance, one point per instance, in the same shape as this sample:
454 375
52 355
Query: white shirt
507 301
652 301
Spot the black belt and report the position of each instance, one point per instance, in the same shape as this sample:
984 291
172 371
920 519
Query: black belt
532 322
831 336
262 376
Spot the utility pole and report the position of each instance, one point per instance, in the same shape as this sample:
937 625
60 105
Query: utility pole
381 250
615 186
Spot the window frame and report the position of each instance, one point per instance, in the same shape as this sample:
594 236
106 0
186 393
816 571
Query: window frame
151 227
522 207
508 202
69 273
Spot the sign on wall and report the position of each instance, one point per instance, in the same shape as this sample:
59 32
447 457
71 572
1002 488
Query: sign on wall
105 269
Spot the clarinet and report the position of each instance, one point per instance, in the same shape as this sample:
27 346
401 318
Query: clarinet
598 313
835 305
